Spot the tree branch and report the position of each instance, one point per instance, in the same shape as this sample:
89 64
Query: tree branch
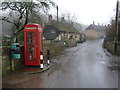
26 21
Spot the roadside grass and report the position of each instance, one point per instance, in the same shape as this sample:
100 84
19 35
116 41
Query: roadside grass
55 49
110 46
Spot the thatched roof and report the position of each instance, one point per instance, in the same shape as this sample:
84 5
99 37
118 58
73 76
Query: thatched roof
64 26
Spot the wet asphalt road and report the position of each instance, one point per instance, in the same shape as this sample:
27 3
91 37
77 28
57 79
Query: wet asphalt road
84 66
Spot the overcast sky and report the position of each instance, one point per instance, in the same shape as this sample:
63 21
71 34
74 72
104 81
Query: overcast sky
88 11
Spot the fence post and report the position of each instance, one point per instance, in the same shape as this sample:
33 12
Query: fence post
48 56
41 60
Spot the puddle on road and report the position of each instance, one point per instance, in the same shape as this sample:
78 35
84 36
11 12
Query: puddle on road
102 62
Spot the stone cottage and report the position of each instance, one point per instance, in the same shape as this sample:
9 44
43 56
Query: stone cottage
95 31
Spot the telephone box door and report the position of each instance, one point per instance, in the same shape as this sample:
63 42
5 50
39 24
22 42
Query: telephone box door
31 48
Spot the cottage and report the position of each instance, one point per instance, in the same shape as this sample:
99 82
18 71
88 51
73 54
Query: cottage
65 31
95 31
50 32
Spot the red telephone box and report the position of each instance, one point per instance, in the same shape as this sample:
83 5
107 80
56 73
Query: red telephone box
33 45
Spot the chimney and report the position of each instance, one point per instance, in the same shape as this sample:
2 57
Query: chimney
102 24
50 18
108 25
62 19
72 23
93 23
98 24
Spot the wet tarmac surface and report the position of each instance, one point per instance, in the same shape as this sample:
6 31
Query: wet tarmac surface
84 66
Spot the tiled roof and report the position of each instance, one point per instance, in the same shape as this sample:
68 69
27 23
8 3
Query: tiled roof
96 27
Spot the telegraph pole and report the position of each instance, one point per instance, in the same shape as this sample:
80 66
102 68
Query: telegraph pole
116 26
57 20
57 16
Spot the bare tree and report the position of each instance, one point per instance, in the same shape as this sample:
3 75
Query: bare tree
69 17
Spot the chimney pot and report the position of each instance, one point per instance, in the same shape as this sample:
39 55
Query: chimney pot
50 18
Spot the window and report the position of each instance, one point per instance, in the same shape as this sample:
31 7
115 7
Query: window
53 31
